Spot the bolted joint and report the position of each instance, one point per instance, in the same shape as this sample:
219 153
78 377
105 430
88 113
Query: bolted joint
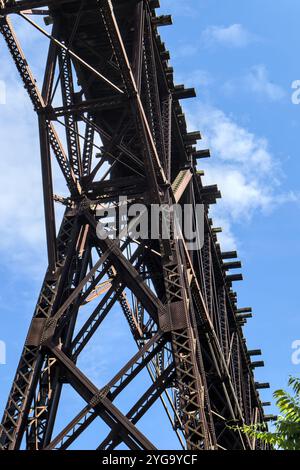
35 332
172 317
84 205
41 331
98 397
49 330
46 111
48 20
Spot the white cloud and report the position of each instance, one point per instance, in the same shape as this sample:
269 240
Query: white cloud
257 82
231 142
22 229
20 181
201 79
226 238
234 35
240 195
22 233
244 168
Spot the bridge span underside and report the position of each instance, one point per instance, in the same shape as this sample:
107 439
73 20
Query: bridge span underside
110 114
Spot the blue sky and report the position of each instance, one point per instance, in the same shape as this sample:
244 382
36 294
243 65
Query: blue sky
242 59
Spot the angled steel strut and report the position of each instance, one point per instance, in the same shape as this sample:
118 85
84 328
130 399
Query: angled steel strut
110 114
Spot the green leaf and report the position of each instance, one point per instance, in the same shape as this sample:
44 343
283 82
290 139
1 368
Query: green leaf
287 427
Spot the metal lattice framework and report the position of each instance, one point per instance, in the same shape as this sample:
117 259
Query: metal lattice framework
107 75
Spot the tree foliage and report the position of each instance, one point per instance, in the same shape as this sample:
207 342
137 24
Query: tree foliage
286 434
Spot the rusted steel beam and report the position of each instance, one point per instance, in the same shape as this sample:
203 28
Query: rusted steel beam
65 438
145 143
232 265
102 104
22 5
141 406
14 421
108 412
48 195
36 99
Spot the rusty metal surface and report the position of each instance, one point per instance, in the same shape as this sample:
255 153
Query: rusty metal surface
110 67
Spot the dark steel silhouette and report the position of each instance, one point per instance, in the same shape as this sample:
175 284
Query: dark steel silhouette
110 68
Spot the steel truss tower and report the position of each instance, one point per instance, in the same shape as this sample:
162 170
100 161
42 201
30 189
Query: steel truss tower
107 76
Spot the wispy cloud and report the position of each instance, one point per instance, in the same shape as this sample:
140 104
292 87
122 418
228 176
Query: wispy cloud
197 78
256 81
22 230
186 50
234 35
20 206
